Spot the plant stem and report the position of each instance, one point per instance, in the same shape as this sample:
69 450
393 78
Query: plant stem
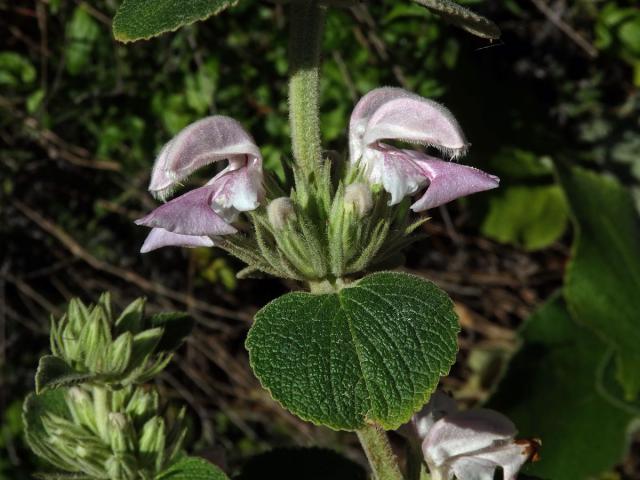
305 42
376 445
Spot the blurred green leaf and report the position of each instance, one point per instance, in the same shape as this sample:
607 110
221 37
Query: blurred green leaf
531 217
603 278
143 19
82 33
15 70
549 393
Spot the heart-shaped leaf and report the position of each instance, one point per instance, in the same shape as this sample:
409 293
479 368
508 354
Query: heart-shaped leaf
372 352
143 19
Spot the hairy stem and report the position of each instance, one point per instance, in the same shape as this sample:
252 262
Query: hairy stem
376 445
305 41
101 406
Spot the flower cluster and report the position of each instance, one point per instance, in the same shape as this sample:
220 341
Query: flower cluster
471 444
349 224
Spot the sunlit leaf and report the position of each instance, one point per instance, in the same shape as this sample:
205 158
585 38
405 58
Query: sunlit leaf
374 351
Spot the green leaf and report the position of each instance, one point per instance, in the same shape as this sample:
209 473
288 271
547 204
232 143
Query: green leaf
82 33
297 463
603 278
462 17
192 468
610 388
53 372
176 327
549 392
531 217
372 352
143 19
34 409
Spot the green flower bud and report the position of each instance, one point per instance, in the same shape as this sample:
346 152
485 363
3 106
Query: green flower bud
152 442
280 212
81 407
94 340
142 404
120 433
121 467
120 354
357 197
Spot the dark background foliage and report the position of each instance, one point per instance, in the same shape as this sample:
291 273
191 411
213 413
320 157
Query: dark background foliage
81 118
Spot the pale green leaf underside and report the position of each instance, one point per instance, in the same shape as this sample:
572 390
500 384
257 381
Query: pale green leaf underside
143 19
374 352
462 17
603 278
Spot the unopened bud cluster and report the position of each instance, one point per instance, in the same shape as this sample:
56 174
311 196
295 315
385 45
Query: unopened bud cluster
127 349
90 418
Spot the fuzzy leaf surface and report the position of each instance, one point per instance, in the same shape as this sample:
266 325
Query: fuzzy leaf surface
143 19
372 352
54 372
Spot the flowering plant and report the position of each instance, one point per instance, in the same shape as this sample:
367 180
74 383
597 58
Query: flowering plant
359 348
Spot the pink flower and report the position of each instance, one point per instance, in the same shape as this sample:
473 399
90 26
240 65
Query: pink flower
193 218
469 445
395 114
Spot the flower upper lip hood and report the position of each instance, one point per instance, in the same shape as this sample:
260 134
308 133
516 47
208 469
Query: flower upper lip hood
203 142
471 444
394 114
193 218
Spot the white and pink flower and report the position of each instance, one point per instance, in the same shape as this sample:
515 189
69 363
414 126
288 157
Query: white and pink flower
468 445
198 216
395 114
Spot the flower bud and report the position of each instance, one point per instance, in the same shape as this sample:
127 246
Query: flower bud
152 442
121 467
280 212
119 433
120 353
94 341
358 197
81 407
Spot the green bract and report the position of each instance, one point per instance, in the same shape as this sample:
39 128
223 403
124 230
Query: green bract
89 344
143 19
103 435
371 352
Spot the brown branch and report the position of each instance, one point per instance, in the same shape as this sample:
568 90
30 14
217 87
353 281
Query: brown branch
76 250
564 27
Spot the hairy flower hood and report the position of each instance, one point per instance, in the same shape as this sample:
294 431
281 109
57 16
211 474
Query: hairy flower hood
471 444
194 217
395 114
